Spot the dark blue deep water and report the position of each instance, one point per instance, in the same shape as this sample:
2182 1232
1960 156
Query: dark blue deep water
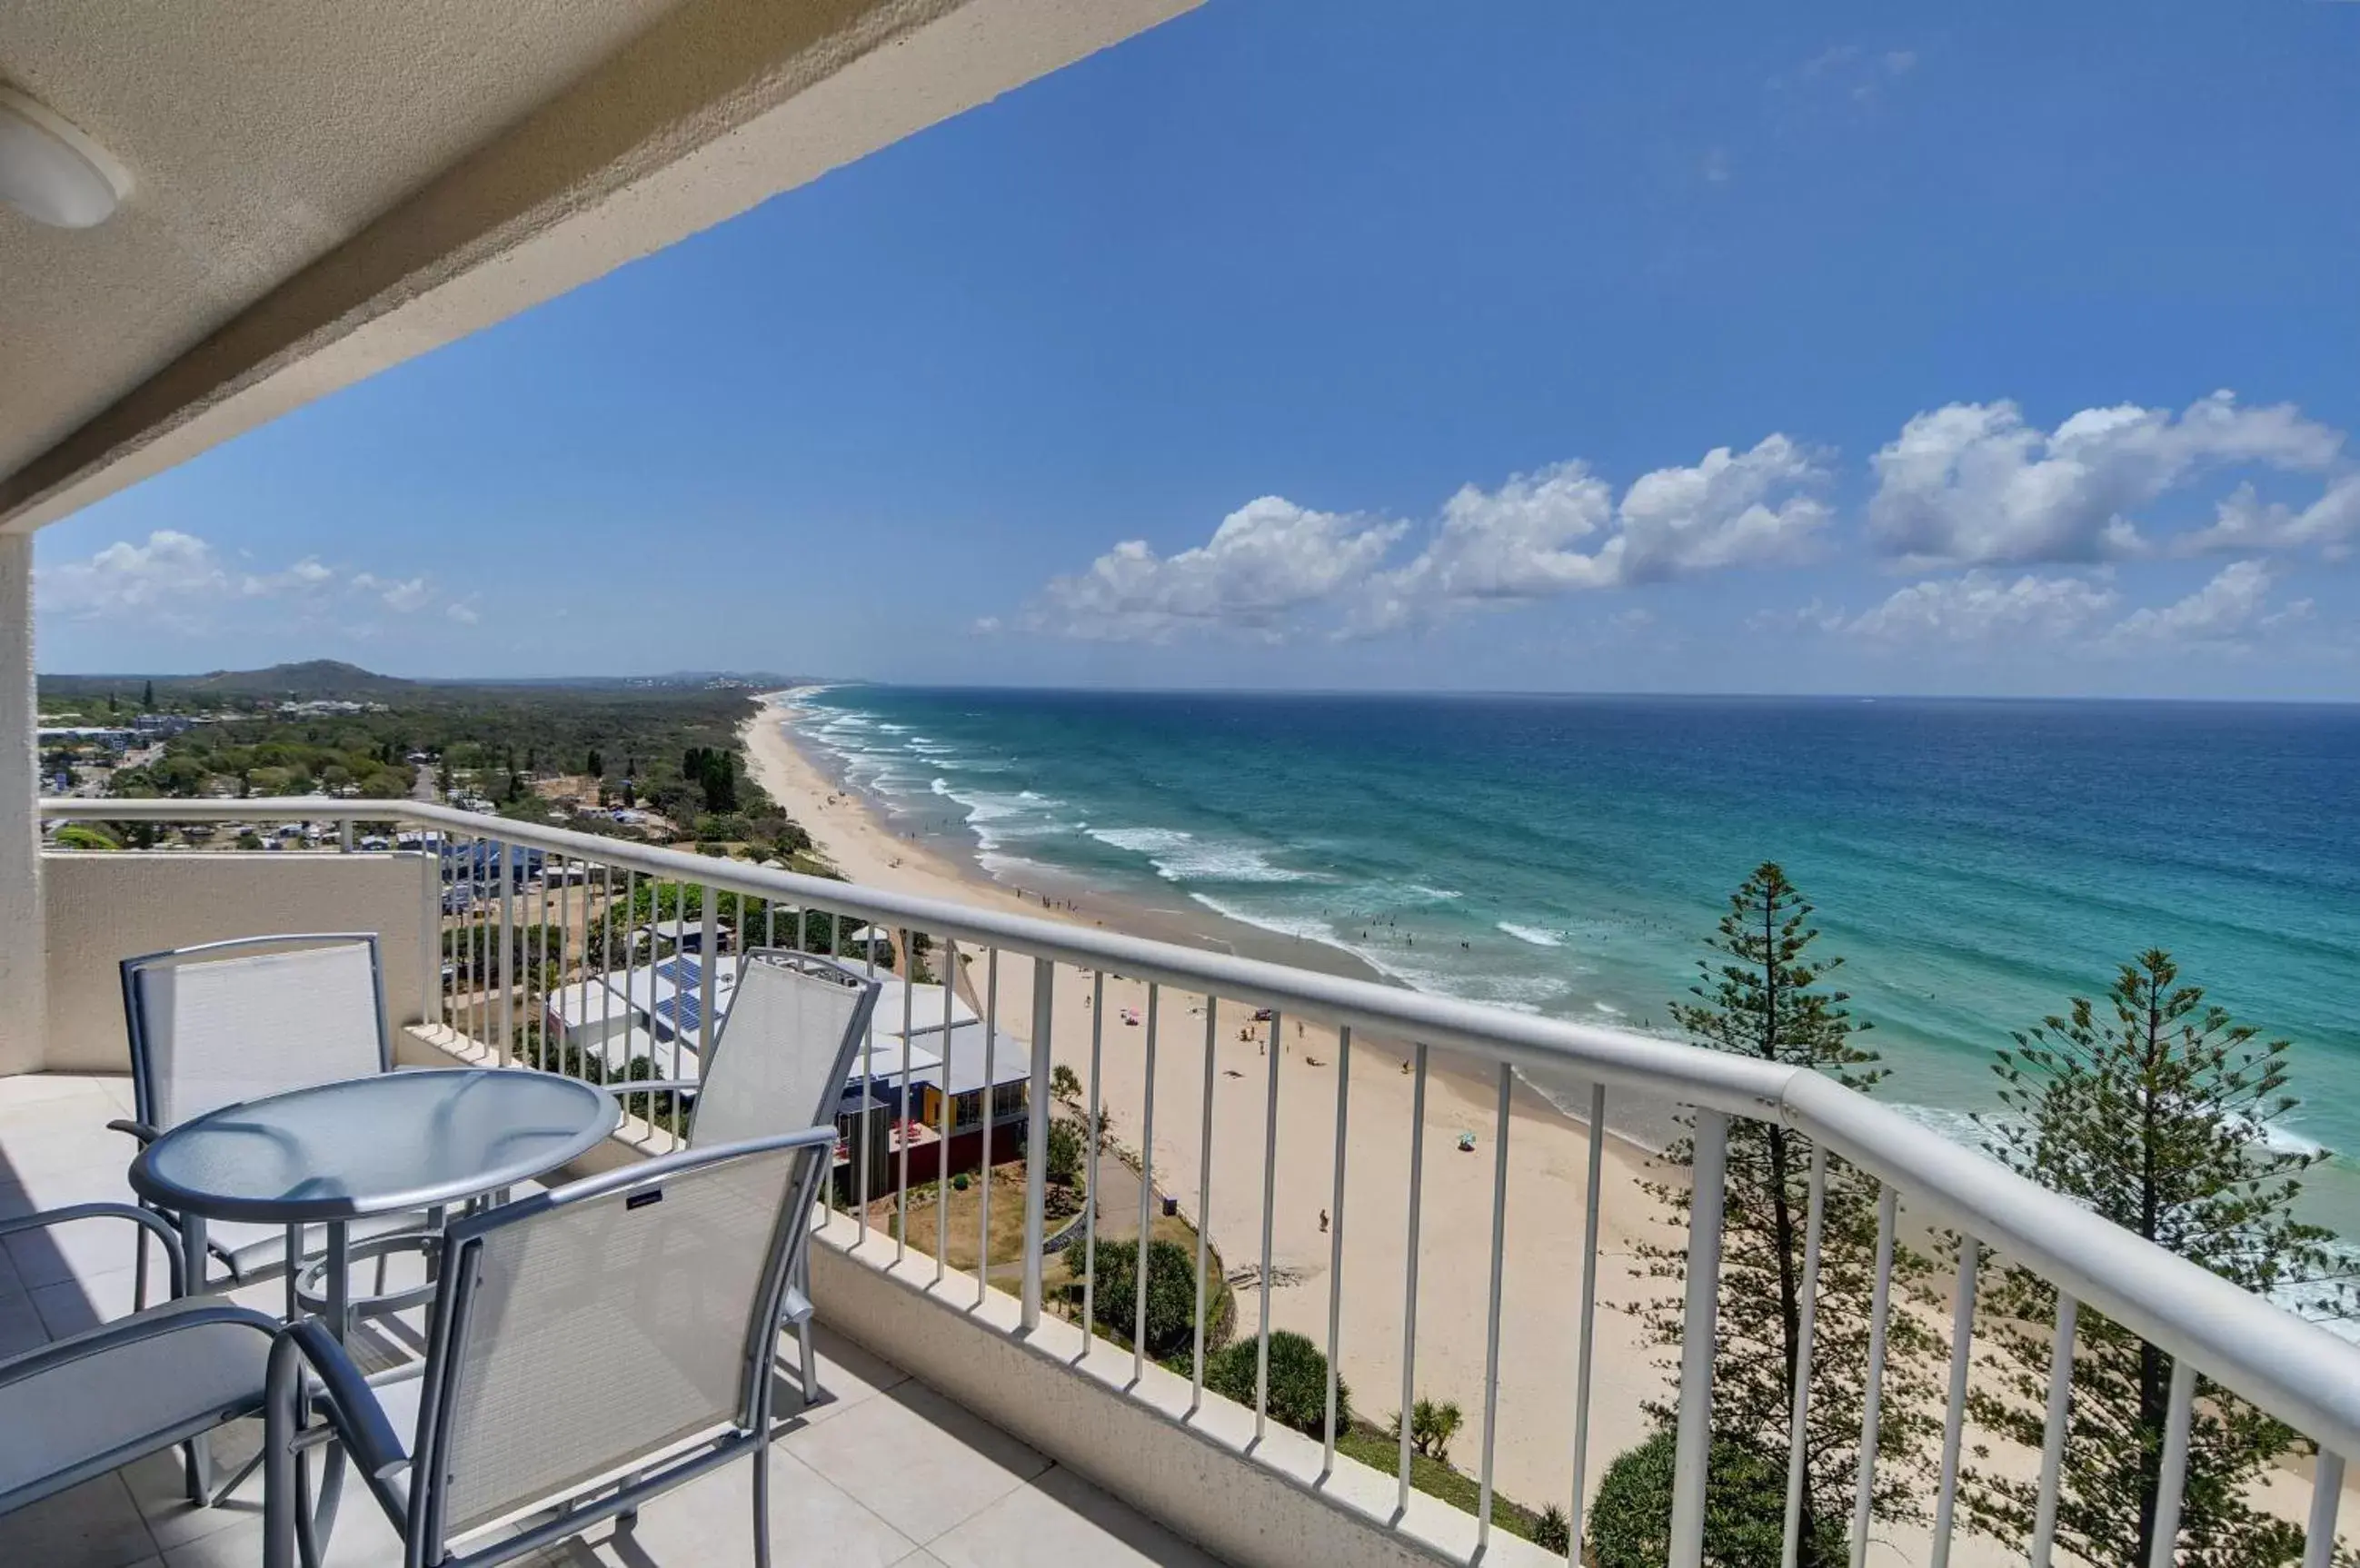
1976 862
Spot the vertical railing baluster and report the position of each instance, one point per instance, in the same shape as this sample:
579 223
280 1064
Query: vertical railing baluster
1491 1331
1139 1277
2053 1447
507 950
430 1012
1880 1307
1797 1449
1698 1331
868 1103
631 977
565 940
2326 1501
479 855
990 1115
902 1119
607 967
708 986
1036 1143
1090 1199
1269 1213
2171 1476
943 1133
1585 1336
1204 1207
1955 1414
1335 1245
345 837
1409 1283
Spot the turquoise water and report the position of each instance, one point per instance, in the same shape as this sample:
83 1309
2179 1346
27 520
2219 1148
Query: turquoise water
1976 862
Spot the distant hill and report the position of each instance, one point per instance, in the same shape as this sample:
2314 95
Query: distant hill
315 679
312 679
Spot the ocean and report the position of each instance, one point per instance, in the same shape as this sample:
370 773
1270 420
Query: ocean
1975 863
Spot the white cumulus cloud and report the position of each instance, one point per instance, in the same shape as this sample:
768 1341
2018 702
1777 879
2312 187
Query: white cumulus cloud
181 581
2234 605
1981 606
1274 569
1974 485
170 568
1269 558
2244 521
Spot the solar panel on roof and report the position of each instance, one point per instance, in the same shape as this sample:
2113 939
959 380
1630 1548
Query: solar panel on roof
680 1010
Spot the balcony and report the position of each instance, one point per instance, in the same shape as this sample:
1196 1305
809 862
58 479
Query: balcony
882 1470
971 1417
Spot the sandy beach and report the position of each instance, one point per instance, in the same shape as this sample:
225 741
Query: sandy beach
1547 1185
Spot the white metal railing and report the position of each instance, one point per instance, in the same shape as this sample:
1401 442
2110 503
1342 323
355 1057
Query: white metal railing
2295 1370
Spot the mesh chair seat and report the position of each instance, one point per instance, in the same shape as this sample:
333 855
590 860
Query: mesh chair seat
580 1338
124 1389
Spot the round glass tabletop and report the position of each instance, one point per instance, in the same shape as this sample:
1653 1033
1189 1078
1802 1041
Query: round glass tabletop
371 1146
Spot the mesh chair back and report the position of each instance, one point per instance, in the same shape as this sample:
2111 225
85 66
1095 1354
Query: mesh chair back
231 1021
784 1049
587 1331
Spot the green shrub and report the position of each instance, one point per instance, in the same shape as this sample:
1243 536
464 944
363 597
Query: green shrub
1065 1083
1171 1293
1553 1532
1063 1159
1745 1508
1298 1380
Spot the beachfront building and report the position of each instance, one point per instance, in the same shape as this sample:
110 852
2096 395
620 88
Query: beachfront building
328 191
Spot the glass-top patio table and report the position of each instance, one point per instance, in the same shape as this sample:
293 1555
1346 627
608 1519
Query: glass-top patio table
390 1144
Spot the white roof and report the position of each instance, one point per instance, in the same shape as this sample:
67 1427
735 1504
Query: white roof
883 1060
1012 1060
926 1008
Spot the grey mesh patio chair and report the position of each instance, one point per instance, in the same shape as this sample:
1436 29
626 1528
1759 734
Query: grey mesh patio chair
230 1021
76 1409
780 1058
589 1347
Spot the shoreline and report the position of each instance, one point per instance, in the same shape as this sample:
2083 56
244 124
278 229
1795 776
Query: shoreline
1548 1188
1549 1155
957 870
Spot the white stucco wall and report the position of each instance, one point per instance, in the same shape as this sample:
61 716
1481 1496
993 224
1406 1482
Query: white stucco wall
104 908
21 971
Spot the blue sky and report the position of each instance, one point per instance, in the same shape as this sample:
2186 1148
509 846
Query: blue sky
1511 345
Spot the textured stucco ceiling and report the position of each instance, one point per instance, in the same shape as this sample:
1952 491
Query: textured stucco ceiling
260 135
323 190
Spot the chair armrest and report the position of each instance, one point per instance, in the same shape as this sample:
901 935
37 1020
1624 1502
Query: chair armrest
148 1218
351 1404
140 1130
653 1086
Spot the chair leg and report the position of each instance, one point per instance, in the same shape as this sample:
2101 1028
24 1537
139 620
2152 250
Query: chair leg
810 1362
201 1470
763 1502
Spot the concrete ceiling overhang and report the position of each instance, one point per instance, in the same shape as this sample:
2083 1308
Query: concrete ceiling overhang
322 191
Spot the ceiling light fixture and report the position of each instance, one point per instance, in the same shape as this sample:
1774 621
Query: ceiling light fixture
50 171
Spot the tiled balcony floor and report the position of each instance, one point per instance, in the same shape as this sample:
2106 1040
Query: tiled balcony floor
881 1471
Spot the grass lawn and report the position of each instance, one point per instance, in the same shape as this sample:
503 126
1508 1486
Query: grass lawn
964 1217
1381 1454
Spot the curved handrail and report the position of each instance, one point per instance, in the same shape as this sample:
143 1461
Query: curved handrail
2294 1368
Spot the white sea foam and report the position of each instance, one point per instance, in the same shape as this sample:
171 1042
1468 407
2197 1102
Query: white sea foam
1181 856
1306 927
1538 936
